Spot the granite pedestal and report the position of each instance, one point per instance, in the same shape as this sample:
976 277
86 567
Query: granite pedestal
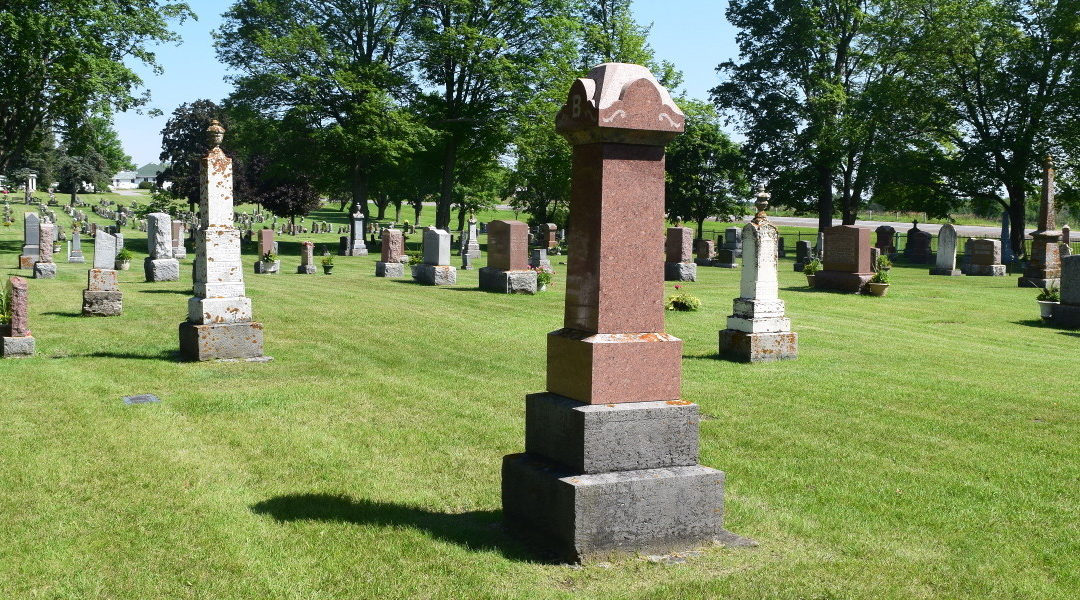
389 269
507 282
434 274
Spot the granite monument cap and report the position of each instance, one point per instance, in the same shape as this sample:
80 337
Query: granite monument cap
619 102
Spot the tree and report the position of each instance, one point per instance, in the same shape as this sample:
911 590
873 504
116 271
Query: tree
479 54
76 170
289 195
1007 74
341 66
66 58
803 69
184 144
705 176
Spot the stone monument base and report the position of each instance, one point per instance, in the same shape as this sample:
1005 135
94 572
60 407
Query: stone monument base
741 346
161 269
435 274
267 268
611 368
391 269
724 265
221 341
842 281
674 271
799 267
27 262
703 262
1037 282
345 250
102 303
946 272
1066 316
583 517
306 269
76 258
507 282
985 270
16 347
44 270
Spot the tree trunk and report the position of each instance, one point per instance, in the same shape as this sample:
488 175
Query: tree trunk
825 197
381 203
701 228
1017 214
446 193
461 219
397 211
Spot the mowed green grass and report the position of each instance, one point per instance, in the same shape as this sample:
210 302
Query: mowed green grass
924 445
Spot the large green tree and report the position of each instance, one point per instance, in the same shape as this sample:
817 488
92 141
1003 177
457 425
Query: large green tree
342 65
63 59
184 143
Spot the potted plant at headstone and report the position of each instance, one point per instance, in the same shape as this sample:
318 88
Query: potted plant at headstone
878 284
123 259
269 263
810 270
415 258
544 275
883 263
1048 298
327 264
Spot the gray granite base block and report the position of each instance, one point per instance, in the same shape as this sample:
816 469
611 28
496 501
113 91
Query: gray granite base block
221 341
102 303
76 258
842 281
306 269
740 346
267 268
1031 282
598 438
435 274
161 269
385 269
985 270
703 262
946 272
27 261
724 265
581 517
44 270
507 282
1067 316
17 347
674 271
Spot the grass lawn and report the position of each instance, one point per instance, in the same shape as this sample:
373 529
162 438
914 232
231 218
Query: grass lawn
924 445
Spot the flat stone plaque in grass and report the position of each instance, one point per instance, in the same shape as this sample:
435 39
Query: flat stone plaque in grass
141 399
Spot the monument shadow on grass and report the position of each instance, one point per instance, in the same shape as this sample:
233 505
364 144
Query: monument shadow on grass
166 355
476 530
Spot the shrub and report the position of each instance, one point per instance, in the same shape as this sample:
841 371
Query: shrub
812 267
682 302
544 275
5 305
883 263
880 277
1050 294
269 257
327 260
415 257
146 185
125 254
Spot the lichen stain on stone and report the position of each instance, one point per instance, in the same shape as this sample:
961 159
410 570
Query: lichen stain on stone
679 402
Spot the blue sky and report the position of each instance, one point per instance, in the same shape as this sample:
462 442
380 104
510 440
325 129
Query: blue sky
691 33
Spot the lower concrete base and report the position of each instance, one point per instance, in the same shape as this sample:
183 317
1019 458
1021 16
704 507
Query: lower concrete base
507 282
741 346
221 341
1066 316
267 268
27 262
674 271
387 269
1032 282
17 347
841 281
102 304
946 272
44 270
581 518
161 269
306 269
985 270
76 258
435 274
703 262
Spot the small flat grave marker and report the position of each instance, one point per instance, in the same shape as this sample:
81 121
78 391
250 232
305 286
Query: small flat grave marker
141 399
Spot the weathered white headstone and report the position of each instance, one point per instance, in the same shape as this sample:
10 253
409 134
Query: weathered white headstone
946 253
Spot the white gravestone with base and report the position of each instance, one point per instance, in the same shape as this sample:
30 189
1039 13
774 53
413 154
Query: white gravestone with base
758 331
219 324
102 296
436 269
946 253
160 264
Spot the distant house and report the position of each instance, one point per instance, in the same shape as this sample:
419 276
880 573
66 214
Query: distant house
129 180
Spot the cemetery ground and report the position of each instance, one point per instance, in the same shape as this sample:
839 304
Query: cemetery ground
923 444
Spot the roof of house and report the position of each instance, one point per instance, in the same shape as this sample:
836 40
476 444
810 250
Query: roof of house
150 170
124 175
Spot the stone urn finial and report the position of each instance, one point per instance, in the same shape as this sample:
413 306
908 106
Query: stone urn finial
762 202
215 133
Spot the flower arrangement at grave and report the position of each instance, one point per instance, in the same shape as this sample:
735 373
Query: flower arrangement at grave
1049 294
881 277
269 257
812 267
682 301
883 263
5 307
544 276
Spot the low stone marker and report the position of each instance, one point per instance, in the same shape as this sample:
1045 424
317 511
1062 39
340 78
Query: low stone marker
538 258
31 240
946 252
802 255
436 269
507 271
918 245
704 252
733 241
884 239
1067 313
353 244
610 463
679 262
75 253
160 264
758 330
470 243
267 246
45 268
16 340
549 239
393 257
307 258
982 257
102 296
179 250
846 263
